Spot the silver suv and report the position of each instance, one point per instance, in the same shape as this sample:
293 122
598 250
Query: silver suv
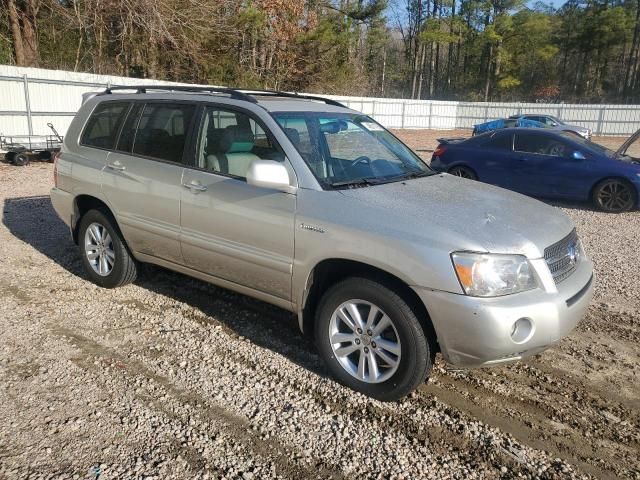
303 203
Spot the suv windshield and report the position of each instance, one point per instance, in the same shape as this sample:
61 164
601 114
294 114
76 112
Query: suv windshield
345 150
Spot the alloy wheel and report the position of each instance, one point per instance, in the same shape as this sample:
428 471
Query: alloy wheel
462 172
98 247
615 196
365 341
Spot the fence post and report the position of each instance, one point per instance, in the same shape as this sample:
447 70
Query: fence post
430 124
27 102
404 105
373 109
600 120
486 113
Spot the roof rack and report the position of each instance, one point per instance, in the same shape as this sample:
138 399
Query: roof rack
237 93
183 88
276 93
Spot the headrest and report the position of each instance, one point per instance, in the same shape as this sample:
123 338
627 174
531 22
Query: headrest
294 135
236 139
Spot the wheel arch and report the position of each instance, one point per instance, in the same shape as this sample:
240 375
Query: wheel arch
332 270
82 204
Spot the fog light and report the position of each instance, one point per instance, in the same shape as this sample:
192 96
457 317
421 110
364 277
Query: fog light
521 330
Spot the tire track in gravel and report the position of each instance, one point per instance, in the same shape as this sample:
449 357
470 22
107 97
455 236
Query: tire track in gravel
274 451
527 420
441 438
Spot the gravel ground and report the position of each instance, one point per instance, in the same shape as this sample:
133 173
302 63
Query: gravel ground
174 378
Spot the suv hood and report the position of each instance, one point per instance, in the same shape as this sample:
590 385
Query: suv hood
464 214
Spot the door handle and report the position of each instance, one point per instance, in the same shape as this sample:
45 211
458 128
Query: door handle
196 186
116 166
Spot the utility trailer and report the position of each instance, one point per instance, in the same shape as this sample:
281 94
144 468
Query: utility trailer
20 149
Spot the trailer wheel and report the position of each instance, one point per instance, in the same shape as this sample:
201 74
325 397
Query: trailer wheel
10 157
45 155
21 160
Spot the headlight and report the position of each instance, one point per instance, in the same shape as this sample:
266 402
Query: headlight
492 275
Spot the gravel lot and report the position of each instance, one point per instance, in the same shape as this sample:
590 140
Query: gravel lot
174 378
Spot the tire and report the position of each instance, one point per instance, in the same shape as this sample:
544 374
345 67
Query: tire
97 236
9 157
393 378
21 160
45 155
614 195
464 172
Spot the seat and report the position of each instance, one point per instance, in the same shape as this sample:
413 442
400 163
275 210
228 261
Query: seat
236 144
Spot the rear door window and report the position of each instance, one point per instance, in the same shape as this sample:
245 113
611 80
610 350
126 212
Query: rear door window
500 142
103 125
162 131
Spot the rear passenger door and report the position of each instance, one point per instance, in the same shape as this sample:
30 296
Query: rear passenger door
142 177
232 230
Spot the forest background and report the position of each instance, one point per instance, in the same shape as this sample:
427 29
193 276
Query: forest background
476 50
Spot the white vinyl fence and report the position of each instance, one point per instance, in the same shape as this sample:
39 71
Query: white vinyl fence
30 98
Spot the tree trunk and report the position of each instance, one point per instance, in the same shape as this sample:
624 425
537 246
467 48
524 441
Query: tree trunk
16 33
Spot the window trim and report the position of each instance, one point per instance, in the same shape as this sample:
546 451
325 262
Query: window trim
196 137
86 124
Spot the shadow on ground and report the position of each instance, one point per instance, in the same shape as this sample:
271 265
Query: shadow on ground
34 221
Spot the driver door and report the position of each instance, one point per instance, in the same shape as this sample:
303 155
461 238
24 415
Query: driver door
545 167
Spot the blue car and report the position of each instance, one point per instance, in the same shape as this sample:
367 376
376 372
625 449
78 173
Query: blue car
506 123
549 164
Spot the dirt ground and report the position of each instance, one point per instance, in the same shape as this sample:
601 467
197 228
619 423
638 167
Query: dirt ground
173 378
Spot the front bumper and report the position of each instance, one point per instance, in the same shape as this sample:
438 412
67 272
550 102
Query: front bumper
477 332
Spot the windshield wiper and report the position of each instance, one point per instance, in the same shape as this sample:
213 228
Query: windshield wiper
357 182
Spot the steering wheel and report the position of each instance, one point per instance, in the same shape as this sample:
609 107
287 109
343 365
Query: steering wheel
556 149
360 159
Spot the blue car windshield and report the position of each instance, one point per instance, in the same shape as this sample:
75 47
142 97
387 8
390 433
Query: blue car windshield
588 144
344 150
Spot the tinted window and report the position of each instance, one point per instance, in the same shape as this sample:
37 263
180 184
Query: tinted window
102 128
540 144
162 131
500 142
230 141
128 134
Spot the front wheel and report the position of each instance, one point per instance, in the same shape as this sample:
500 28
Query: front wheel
104 253
371 339
464 172
614 195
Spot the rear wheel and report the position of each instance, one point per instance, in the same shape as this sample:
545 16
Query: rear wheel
371 339
614 195
464 172
21 160
104 254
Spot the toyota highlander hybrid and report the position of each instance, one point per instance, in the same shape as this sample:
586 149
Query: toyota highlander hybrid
308 205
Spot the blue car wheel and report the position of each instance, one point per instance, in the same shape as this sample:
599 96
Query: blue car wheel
464 172
614 195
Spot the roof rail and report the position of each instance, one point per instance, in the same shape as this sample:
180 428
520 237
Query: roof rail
237 93
183 88
276 93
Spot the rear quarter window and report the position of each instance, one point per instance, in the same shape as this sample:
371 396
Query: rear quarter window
102 127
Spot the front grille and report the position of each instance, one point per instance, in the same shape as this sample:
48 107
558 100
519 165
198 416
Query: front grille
562 257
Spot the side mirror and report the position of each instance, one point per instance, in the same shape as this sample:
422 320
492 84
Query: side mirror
269 174
578 155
